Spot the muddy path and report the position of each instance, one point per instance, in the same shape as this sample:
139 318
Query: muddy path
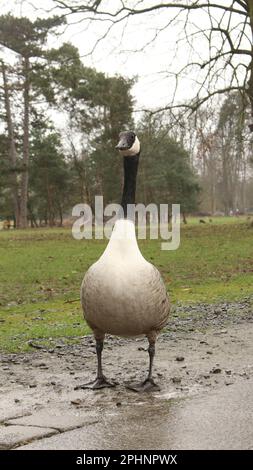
204 350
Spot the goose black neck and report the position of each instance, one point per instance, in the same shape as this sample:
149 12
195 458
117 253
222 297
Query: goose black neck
130 175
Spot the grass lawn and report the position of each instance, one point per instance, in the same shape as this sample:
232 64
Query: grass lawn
41 271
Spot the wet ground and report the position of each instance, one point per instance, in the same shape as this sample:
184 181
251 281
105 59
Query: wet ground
204 365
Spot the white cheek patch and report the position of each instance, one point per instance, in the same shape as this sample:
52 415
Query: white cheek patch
134 150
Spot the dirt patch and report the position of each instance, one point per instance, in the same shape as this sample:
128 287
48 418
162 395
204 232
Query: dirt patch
205 348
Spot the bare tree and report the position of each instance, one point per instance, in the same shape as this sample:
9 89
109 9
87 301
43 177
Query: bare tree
225 28
222 156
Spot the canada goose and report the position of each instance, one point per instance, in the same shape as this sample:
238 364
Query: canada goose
123 294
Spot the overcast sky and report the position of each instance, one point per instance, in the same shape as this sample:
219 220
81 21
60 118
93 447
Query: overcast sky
114 54
153 66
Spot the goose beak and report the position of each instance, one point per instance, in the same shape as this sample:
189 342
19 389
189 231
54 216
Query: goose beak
122 145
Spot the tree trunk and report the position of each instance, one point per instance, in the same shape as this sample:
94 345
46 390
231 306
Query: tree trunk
225 183
12 150
213 198
60 214
25 174
50 206
32 217
250 82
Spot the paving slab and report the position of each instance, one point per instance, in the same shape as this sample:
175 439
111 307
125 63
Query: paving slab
221 419
55 419
5 415
11 436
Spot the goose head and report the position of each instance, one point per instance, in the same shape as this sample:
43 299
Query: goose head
129 144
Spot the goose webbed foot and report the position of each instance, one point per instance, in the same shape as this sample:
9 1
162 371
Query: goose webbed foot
148 385
99 382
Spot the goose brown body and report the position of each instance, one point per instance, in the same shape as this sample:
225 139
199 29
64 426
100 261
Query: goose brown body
123 294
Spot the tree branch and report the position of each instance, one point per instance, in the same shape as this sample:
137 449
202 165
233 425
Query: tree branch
132 11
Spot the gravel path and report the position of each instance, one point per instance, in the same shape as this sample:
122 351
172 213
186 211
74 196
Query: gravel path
206 349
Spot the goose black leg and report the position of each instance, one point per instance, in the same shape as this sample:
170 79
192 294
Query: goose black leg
100 381
149 384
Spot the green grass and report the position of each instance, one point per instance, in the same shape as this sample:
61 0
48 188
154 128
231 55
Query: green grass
41 272
219 220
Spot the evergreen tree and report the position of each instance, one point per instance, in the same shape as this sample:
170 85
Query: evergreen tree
165 175
26 39
50 183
